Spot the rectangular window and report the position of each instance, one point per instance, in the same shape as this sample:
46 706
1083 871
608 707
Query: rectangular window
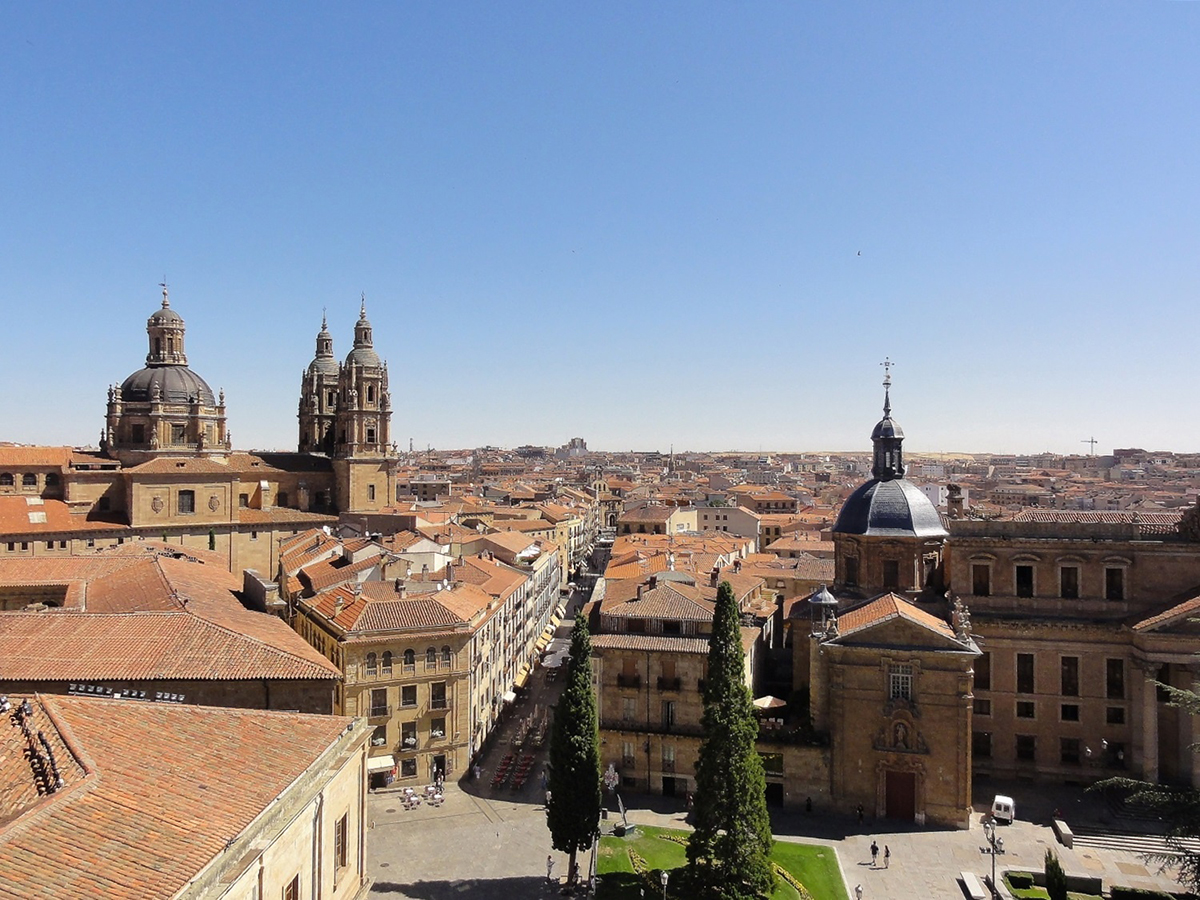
668 757
291 890
187 502
379 736
635 626
983 707
1070 676
900 682
243 501
281 499
981 580
408 768
1114 583
671 626
983 672
1026 747
176 434
1114 715
851 570
1069 712
1024 579
891 574
370 435
1068 582
437 695
1068 749
628 708
668 713
340 841
370 492
627 753
1114 671
379 704
981 744
408 695
137 434
1024 673
408 735
437 728
1026 709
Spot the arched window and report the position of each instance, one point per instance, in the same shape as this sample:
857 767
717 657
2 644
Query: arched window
372 664
387 662
431 658
51 479
410 660
6 479
446 657
370 393
29 480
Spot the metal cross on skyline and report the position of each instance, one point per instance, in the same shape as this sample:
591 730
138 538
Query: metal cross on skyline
163 284
887 371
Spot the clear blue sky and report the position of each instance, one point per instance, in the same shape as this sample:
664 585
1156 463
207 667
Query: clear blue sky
638 223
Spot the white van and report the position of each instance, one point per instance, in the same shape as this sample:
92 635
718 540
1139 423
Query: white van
1004 809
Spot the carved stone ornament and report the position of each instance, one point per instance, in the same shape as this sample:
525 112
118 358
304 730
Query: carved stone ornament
157 504
900 737
214 502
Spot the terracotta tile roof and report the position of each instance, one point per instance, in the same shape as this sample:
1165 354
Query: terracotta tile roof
1107 517
886 608
666 600
652 642
298 550
1183 611
19 518
196 776
378 608
181 465
283 515
14 457
326 573
647 514
152 646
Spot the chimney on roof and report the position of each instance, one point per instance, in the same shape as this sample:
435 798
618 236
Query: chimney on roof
653 582
641 590
449 573
713 576
424 572
337 606
954 501
357 588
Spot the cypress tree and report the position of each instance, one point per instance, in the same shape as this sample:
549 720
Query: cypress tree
1056 878
729 850
573 812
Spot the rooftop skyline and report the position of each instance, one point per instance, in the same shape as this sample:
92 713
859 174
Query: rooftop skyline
699 225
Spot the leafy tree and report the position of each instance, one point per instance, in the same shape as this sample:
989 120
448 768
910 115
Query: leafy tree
1056 878
1177 807
573 811
728 852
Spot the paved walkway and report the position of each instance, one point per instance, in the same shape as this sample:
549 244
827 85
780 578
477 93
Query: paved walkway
495 846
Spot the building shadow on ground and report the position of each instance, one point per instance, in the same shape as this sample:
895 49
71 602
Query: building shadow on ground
499 888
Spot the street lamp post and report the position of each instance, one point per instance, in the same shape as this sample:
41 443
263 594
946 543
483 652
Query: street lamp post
995 845
664 876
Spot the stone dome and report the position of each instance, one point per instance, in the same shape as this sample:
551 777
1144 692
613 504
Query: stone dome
166 314
176 384
892 508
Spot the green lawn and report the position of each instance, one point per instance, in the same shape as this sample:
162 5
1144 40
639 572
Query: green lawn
815 867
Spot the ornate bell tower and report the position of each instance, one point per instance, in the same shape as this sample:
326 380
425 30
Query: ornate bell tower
363 461
319 397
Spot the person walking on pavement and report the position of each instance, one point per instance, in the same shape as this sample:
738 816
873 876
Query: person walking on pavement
549 869
887 855
858 892
874 854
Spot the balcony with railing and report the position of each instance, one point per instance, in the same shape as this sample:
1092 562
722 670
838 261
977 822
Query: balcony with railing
629 681
669 684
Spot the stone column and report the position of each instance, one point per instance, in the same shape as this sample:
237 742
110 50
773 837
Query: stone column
1149 670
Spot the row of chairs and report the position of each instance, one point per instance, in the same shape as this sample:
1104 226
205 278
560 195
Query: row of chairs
522 771
502 771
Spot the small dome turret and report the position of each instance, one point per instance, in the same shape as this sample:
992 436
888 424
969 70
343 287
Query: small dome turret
363 353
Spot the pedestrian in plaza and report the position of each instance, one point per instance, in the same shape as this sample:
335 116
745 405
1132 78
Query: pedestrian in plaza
887 855
874 854
860 814
549 869
858 892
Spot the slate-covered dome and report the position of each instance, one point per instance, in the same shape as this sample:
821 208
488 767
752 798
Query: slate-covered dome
324 363
892 508
176 384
